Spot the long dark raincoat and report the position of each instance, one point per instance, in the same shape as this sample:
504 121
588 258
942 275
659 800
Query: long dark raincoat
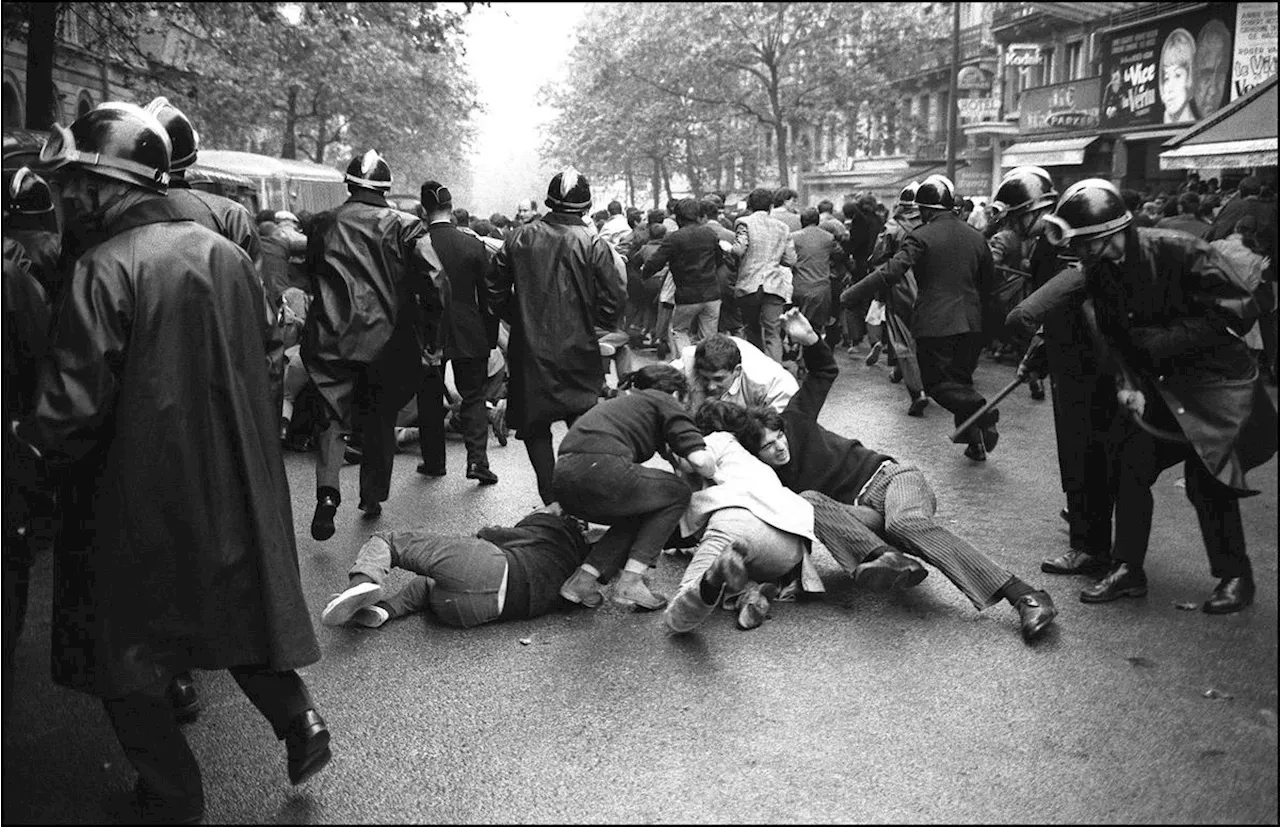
1175 314
177 548
377 298
555 282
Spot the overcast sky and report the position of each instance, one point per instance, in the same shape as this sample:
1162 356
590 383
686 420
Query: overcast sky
513 49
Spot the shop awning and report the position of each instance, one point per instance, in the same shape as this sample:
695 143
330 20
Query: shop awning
1055 153
1241 134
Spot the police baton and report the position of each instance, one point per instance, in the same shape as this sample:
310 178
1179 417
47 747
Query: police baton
959 435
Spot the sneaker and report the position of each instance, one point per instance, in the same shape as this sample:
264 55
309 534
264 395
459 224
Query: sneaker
753 609
371 617
874 355
344 606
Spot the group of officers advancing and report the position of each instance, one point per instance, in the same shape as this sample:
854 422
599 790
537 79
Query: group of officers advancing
156 398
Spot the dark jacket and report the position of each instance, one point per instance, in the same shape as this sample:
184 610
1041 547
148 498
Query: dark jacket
1237 208
555 282
470 330
26 338
693 253
822 460
375 290
177 544
1173 312
634 426
954 273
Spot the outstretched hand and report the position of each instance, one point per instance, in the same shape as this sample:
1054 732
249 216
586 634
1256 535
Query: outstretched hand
797 327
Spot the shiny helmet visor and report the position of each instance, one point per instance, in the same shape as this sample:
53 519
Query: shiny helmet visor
60 150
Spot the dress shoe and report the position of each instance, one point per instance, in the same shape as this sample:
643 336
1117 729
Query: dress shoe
891 570
1077 561
307 740
352 454
990 436
1231 595
976 450
476 471
1121 581
631 592
322 521
1037 389
182 694
1035 612
686 611
582 588
370 510
431 470
918 404
729 570
141 806
344 606
895 375
874 355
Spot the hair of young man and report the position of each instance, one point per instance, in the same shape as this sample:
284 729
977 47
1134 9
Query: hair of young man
825 206
659 377
655 216
461 217
761 418
708 208
783 195
657 231
1189 203
615 208
759 199
849 208
716 352
718 415
634 217
809 217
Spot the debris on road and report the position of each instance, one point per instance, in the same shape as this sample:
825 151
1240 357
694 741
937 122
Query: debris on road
1217 695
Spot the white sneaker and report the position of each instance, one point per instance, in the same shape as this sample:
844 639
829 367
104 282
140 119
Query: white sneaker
345 605
371 616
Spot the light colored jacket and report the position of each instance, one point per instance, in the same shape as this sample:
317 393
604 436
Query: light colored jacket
762 382
766 254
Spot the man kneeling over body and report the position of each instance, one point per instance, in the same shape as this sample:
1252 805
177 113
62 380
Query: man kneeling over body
499 574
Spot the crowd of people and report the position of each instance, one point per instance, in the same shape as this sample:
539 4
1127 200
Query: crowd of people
163 350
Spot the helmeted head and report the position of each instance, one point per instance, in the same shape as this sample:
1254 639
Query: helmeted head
936 194
26 193
369 171
115 140
906 206
1089 214
569 192
1024 190
183 138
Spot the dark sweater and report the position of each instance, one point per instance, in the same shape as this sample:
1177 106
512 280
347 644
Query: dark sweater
542 552
635 426
820 459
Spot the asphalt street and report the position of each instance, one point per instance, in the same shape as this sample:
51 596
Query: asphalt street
911 707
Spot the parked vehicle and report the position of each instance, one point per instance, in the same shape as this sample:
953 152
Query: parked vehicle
280 184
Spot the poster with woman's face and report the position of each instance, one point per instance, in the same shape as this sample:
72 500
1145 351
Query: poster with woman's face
1173 71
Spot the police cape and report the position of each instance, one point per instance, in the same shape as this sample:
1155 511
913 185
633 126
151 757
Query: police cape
177 547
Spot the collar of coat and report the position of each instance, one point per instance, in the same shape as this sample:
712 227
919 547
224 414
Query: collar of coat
370 197
153 210
570 219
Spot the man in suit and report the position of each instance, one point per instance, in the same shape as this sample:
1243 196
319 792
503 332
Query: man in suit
468 331
954 272
693 254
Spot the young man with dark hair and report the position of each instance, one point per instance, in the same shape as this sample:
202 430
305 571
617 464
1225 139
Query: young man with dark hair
732 369
765 253
693 254
785 208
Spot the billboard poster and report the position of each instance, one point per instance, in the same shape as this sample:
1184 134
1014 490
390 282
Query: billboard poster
1255 57
1173 71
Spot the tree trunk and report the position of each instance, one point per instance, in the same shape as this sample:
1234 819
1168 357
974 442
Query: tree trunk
289 147
666 179
43 107
691 167
655 181
780 151
631 185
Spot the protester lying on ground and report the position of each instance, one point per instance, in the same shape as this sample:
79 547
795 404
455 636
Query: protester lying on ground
499 574
756 534
842 479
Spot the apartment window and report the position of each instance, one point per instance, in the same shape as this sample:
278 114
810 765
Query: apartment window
1075 60
69 27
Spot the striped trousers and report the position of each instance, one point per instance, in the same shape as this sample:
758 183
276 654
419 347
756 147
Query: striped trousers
902 497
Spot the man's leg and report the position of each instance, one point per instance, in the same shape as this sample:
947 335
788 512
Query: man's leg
1218 510
386 394
169 785
771 325
469 375
284 701
431 445
707 320
751 307
909 507
537 443
946 365
681 322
